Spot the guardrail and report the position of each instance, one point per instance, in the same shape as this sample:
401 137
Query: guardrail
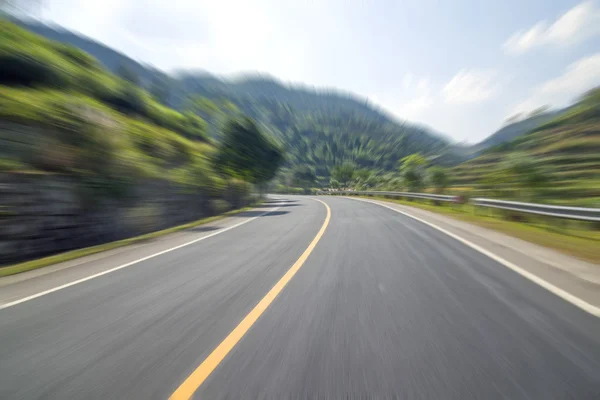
574 213
427 196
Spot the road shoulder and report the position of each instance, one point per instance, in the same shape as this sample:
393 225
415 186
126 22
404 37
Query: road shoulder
30 283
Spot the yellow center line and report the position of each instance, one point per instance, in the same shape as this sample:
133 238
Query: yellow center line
192 383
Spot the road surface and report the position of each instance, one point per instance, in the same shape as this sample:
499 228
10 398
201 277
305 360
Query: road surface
377 305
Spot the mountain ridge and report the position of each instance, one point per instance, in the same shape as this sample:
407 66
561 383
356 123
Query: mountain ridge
112 59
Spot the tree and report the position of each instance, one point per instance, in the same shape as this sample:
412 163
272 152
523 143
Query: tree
343 173
128 75
160 90
130 98
304 176
213 111
438 178
522 170
246 153
195 127
334 184
413 171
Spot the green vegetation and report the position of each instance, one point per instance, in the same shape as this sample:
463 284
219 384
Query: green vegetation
247 154
343 173
303 176
28 60
318 129
413 171
85 138
557 162
109 132
438 178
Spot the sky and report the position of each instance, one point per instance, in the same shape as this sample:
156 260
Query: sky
461 67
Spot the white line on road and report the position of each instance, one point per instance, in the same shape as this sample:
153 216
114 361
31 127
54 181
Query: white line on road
108 271
576 301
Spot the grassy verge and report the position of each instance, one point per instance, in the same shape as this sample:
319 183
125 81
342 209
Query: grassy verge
71 255
580 243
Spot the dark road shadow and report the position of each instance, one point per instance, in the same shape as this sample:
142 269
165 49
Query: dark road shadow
278 205
257 213
279 201
203 229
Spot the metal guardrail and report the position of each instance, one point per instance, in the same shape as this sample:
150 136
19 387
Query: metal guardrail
427 196
574 213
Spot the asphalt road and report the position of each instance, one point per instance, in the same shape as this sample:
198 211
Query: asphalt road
384 306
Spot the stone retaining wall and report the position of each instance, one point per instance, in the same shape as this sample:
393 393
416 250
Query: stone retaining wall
47 214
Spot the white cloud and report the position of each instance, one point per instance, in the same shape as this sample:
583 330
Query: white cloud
579 77
579 23
418 94
470 86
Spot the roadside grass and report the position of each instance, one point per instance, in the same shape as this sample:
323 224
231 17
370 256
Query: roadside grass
73 254
568 237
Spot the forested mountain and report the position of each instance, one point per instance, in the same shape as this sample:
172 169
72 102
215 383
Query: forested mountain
511 131
564 151
317 128
109 58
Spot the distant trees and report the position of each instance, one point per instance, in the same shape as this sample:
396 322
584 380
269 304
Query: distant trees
127 73
303 176
365 178
518 173
438 178
413 171
343 173
246 153
129 97
213 111
523 171
160 89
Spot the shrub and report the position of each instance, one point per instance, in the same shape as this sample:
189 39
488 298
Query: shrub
126 99
21 66
77 56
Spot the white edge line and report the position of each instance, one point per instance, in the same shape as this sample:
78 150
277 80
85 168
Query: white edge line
576 301
108 271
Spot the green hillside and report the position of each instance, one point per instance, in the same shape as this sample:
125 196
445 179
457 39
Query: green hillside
566 151
318 128
62 112
515 129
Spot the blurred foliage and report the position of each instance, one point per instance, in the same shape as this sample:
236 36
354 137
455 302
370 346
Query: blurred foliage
558 161
343 173
246 153
84 137
438 178
28 60
106 131
319 129
412 169
304 176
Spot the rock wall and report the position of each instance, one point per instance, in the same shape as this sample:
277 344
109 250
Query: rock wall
46 214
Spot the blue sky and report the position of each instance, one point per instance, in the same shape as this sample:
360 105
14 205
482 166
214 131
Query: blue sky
459 66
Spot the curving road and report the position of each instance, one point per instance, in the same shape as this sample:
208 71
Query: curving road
371 303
